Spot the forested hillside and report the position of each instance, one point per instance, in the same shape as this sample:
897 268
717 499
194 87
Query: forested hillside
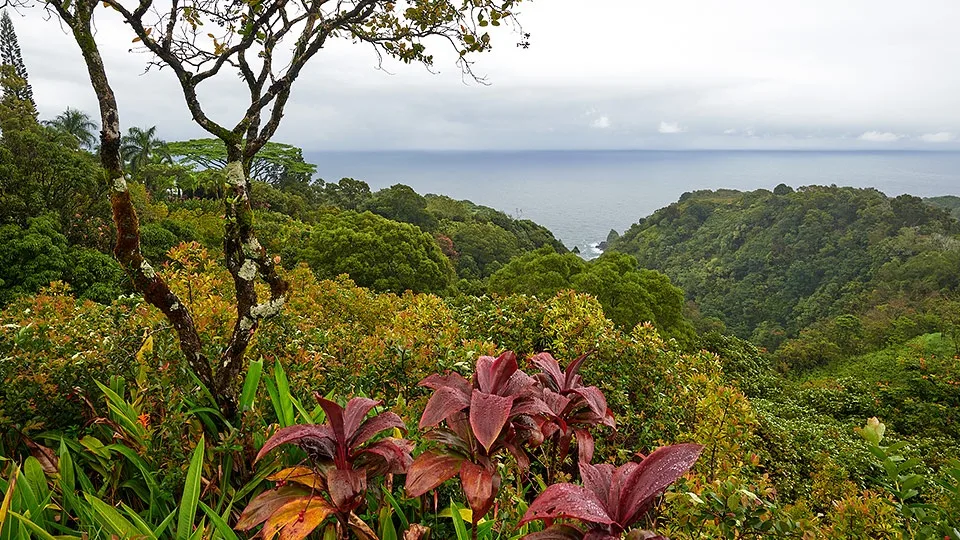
738 365
843 268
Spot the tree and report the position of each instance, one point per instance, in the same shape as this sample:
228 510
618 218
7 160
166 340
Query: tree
273 163
139 146
401 203
76 123
377 253
10 56
197 40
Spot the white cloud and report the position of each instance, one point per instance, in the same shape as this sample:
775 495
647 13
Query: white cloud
941 137
880 136
601 123
670 128
730 131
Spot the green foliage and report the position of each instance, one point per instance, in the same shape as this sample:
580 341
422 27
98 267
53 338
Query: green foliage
10 56
950 203
31 258
402 203
75 124
629 295
377 253
770 265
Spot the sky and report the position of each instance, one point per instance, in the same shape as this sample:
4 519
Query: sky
604 74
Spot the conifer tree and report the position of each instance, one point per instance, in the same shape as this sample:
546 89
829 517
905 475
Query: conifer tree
10 56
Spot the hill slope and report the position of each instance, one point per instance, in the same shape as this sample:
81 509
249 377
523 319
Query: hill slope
769 264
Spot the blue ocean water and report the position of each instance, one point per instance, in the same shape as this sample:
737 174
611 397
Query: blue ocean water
581 195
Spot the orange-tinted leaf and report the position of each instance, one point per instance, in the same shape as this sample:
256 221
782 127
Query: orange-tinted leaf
265 504
318 511
301 475
298 518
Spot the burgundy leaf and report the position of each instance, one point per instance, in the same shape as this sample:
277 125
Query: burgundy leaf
429 470
584 445
593 398
523 461
346 488
295 434
385 456
654 474
444 402
449 439
374 425
557 532
334 417
532 406
478 486
618 489
569 501
600 535
518 384
494 373
571 379
528 430
452 380
488 415
597 479
549 366
356 411
266 503
555 402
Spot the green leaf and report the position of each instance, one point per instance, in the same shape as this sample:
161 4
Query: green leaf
191 494
396 508
110 518
458 521
250 384
283 392
219 523
37 530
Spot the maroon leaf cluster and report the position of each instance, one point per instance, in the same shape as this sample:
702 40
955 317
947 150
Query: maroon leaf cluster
497 410
341 451
575 407
611 499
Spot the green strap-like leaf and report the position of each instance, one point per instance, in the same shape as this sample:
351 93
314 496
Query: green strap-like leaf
191 494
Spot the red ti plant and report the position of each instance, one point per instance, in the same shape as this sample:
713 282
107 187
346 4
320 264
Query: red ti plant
342 459
493 412
575 408
611 499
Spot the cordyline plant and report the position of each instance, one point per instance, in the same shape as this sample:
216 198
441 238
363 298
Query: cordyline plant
611 500
342 459
575 408
496 411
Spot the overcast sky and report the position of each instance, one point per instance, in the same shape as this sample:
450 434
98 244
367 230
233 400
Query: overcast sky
752 74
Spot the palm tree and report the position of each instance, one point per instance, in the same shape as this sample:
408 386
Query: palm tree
77 123
139 146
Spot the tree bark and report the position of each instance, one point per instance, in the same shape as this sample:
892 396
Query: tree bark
246 259
127 249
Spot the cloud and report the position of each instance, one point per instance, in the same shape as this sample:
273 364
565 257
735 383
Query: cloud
601 123
670 128
941 137
880 136
730 131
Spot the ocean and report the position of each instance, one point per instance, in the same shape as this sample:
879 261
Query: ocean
581 195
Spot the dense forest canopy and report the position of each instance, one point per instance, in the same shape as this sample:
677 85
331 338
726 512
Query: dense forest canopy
767 265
